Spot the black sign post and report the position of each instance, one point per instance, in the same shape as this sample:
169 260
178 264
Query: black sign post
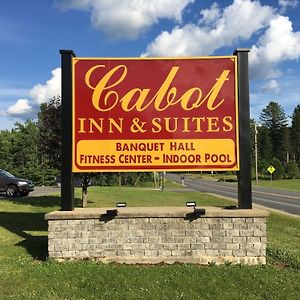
67 188
244 175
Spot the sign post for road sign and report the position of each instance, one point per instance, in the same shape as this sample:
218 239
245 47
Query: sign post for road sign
271 170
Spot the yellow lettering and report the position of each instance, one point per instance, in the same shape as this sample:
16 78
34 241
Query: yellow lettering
81 125
102 86
198 123
93 123
105 98
227 120
212 125
156 123
213 93
186 97
186 125
113 123
175 124
139 102
158 98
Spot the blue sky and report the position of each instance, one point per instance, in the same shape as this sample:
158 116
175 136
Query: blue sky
33 31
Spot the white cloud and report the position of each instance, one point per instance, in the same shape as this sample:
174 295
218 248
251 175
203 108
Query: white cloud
278 43
211 15
21 107
242 20
271 86
127 18
216 29
40 93
285 4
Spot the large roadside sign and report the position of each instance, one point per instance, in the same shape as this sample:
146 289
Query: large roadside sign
155 114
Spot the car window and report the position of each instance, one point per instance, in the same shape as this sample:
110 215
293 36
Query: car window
6 173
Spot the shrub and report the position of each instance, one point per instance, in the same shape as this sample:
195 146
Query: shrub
279 171
263 166
291 169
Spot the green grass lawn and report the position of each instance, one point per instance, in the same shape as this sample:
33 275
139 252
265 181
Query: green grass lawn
109 196
26 273
284 184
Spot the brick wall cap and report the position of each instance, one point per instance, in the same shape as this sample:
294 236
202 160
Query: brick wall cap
156 212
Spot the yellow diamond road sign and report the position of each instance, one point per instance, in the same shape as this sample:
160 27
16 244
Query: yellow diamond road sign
271 169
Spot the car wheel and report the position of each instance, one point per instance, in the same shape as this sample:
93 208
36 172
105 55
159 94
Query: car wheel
25 193
12 191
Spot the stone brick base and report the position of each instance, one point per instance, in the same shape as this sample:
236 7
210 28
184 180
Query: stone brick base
158 234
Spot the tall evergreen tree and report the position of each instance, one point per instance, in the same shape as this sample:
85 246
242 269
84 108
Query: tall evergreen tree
295 132
264 144
252 140
273 117
285 150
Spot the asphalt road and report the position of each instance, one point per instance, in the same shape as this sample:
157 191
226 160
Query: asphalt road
283 200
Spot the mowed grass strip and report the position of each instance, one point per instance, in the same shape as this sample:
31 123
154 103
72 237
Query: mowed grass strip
26 273
109 196
90 280
283 184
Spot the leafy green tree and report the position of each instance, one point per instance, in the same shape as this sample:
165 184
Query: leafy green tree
5 150
279 170
291 169
295 132
263 166
49 136
273 117
24 150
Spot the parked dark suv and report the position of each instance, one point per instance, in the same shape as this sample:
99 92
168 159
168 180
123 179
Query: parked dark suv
13 186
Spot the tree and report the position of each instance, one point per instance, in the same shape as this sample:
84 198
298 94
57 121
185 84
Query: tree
252 140
295 132
273 117
291 169
279 171
24 151
5 150
285 149
264 144
49 137
85 182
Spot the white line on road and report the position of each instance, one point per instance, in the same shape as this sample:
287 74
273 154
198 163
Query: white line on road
215 186
276 202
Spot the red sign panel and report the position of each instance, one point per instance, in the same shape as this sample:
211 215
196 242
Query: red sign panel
155 114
